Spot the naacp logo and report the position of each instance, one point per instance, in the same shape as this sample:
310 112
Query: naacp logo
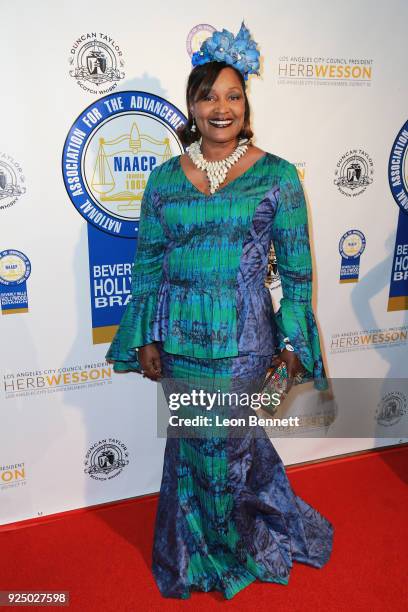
391 409
197 36
15 267
398 168
354 172
11 181
110 152
106 459
96 61
272 280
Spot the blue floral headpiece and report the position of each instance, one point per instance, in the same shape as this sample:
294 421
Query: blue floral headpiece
240 52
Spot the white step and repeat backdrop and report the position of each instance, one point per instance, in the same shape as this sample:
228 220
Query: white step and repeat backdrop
91 96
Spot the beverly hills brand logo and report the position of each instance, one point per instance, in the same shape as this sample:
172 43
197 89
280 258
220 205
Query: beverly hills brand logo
351 246
15 269
96 61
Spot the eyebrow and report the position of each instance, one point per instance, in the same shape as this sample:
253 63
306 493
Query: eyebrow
230 88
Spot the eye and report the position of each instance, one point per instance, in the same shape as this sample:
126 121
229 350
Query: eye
209 97
235 96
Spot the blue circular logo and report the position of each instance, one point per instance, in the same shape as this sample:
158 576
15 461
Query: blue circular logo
352 244
398 168
15 267
109 153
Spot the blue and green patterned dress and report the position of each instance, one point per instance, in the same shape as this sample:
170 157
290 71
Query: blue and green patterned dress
227 514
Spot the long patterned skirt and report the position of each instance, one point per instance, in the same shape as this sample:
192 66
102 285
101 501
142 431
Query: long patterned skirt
227 514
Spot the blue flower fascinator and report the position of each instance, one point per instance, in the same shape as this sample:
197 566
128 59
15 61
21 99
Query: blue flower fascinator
240 52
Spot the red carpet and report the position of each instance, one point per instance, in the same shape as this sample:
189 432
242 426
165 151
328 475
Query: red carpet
102 556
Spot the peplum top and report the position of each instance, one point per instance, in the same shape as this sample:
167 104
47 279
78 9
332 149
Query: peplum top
201 262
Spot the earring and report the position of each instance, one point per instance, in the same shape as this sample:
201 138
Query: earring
193 127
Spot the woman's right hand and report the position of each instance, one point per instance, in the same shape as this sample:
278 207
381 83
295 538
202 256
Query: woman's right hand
149 358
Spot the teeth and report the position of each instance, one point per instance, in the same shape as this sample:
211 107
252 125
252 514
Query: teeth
220 123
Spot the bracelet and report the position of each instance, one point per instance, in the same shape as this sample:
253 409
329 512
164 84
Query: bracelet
288 346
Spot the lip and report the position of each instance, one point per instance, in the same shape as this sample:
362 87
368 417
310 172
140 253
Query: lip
220 123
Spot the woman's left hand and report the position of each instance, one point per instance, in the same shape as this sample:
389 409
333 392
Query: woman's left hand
293 365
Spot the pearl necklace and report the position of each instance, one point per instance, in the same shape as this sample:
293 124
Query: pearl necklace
216 170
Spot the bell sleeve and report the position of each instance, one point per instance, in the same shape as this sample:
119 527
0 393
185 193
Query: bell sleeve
295 318
135 328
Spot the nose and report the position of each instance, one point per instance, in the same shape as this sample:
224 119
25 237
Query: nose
222 105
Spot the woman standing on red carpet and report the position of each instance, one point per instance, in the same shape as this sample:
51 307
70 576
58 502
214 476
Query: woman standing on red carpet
201 318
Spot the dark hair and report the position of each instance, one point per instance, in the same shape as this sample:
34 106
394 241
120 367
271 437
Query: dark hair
199 85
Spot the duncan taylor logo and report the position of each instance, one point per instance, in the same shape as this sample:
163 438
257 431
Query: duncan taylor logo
354 172
11 181
96 61
109 153
391 409
106 459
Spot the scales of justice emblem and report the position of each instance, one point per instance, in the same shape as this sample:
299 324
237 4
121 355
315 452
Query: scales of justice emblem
121 170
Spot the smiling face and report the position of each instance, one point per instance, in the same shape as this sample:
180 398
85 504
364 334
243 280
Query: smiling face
220 115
